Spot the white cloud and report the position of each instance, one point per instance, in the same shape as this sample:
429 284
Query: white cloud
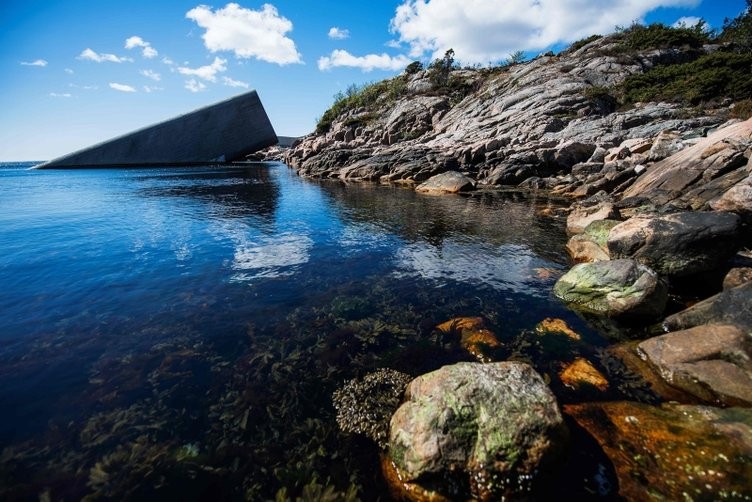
235 83
208 72
168 61
151 74
69 71
122 87
61 94
686 21
90 55
152 88
483 31
147 50
248 33
394 44
338 33
366 63
194 85
37 62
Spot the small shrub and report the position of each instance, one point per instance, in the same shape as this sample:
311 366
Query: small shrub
439 70
738 31
413 68
742 109
516 57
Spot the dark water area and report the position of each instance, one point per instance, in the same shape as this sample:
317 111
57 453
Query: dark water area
177 333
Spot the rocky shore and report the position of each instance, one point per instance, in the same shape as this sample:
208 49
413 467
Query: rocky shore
660 214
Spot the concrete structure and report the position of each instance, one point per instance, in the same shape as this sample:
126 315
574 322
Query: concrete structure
222 132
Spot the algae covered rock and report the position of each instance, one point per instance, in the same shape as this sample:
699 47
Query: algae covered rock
364 406
673 452
473 336
618 288
485 431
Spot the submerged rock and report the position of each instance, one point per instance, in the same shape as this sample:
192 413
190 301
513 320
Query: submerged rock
486 431
677 245
364 406
473 336
558 327
581 372
673 452
619 288
712 362
448 182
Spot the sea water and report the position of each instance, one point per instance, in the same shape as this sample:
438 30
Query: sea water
178 332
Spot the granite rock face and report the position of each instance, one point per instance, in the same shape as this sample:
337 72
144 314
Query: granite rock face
495 428
621 289
679 244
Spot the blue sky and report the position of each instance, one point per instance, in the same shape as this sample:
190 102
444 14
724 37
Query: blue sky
73 73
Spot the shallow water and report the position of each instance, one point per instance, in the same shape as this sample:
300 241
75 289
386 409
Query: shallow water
178 332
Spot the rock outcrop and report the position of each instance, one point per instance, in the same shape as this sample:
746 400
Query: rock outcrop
488 431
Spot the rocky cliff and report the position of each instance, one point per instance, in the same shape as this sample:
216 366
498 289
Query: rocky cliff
551 123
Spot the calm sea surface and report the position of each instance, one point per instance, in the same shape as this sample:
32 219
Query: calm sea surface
178 333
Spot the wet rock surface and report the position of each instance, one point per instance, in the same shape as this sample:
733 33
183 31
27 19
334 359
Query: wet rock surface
482 430
473 336
618 288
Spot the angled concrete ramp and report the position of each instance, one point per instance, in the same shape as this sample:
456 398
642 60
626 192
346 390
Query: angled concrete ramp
222 132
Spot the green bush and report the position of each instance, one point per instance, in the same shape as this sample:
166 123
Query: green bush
659 36
362 96
712 76
413 68
439 70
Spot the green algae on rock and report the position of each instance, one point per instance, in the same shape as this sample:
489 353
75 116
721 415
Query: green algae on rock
618 288
483 430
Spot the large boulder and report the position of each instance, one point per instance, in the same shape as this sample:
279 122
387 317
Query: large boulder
737 199
493 429
731 306
677 245
448 182
712 362
672 452
621 289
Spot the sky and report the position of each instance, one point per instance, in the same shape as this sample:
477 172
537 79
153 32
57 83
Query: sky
77 72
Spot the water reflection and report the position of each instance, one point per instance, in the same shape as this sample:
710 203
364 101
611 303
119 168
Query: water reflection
493 218
230 192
